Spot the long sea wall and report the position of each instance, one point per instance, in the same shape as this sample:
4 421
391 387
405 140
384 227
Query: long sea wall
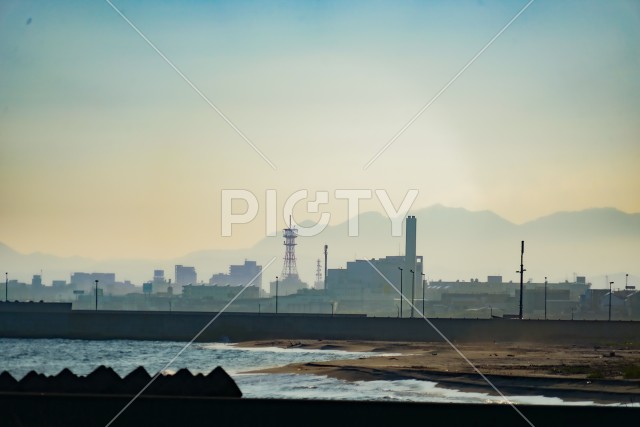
235 327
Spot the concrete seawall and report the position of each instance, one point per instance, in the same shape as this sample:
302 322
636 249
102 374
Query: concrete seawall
234 327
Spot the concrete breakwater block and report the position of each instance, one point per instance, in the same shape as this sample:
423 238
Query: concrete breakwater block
104 380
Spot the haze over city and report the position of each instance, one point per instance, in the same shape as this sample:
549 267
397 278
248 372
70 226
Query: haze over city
256 212
107 153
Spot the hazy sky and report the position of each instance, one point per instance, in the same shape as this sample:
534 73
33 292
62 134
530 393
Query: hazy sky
105 151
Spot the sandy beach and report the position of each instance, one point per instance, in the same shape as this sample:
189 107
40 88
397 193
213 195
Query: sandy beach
603 374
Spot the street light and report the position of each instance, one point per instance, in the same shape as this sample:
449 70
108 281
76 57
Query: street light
276 294
423 280
610 283
413 291
545 298
401 294
96 294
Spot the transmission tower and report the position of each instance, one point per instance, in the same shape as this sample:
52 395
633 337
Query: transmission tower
289 268
318 274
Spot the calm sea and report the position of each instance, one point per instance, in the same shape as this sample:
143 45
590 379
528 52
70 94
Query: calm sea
50 356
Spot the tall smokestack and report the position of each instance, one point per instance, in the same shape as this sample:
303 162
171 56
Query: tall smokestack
410 260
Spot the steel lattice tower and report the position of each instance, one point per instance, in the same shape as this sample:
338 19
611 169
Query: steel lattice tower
289 268
318 273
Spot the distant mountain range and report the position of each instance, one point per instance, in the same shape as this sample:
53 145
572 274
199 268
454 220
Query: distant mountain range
456 244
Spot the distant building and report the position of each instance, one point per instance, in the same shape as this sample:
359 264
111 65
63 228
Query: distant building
478 299
239 275
36 280
219 293
369 284
159 283
377 276
287 286
87 280
185 275
158 276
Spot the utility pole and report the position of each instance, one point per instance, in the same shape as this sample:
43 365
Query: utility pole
423 280
610 283
413 292
401 294
545 298
522 270
96 294
276 294
6 287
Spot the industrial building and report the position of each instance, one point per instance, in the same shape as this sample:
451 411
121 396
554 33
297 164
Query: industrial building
367 286
495 297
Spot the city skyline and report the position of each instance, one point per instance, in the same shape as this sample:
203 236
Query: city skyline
560 247
106 152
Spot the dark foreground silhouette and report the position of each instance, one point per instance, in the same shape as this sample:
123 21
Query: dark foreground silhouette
184 399
104 380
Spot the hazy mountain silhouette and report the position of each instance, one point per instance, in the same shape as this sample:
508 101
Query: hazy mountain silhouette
456 244
588 224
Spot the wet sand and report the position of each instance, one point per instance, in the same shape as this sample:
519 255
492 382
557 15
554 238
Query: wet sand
603 374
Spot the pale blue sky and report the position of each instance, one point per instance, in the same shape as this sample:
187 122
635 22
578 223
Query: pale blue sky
99 137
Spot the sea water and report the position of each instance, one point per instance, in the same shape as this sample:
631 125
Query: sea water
50 356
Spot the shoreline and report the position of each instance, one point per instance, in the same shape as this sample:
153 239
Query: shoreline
570 372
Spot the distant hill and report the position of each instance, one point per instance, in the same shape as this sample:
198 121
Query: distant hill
588 224
456 244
